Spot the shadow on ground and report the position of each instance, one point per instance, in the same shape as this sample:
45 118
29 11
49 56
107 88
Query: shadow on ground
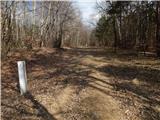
42 111
59 69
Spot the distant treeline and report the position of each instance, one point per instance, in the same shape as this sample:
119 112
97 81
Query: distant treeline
28 24
128 25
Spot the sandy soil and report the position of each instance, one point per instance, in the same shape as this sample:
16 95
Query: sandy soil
81 84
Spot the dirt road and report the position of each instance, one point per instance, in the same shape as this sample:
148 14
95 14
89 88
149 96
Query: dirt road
81 84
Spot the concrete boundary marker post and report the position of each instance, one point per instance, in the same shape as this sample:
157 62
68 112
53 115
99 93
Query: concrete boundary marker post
22 76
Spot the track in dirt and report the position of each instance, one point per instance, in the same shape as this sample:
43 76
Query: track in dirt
81 84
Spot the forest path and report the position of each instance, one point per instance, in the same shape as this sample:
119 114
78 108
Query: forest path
82 84
83 95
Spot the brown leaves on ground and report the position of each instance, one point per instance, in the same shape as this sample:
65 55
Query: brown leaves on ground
81 84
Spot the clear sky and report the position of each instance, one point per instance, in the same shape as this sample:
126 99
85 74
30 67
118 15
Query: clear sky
87 8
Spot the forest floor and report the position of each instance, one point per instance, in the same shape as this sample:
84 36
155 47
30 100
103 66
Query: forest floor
81 84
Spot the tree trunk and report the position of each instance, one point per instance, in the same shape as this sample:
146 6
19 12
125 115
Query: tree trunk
158 28
42 22
34 19
120 24
58 42
115 34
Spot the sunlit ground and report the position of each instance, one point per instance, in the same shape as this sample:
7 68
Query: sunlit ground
82 84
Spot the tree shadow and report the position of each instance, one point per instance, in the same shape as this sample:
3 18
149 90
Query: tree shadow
105 52
67 66
130 72
125 76
19 110
147 88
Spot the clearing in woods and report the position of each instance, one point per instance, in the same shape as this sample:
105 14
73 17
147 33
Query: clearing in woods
81 84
